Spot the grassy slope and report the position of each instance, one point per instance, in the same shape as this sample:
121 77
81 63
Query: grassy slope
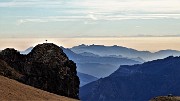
13 90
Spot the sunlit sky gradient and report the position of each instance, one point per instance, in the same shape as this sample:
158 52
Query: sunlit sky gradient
88 21
152 44
86 18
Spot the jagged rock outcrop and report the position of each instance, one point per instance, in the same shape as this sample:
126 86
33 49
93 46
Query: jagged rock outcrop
46 67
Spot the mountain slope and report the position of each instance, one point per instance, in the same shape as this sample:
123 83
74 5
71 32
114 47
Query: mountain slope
95 59
85 78
13 90
136 83
93 64
27 50
96 69
6 70
102 50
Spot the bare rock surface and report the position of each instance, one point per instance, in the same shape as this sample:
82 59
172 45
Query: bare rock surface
46 67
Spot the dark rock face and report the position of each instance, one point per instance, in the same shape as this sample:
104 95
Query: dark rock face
46 67
6 70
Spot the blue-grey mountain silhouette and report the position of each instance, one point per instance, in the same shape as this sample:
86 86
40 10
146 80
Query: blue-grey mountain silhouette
115 50
85 78
137 82
97 66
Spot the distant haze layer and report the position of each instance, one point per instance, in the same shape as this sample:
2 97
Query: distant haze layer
140 43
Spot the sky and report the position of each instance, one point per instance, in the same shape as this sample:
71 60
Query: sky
152 44
140 24
88 18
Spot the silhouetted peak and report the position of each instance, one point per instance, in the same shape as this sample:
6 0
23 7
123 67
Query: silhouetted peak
93 45
167 50
9 51
47 52
82 45
170 57
47 48
115 46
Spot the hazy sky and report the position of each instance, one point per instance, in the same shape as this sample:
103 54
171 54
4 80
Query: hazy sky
89 18
140 43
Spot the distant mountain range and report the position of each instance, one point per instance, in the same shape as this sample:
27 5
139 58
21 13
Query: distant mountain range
85 78
137 82
27 50
106 59
97 66
96 69
115 50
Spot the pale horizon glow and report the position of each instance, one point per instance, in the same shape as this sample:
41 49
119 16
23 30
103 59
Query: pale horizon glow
152 44
140 24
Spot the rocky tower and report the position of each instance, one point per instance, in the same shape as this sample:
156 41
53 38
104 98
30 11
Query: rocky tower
46 67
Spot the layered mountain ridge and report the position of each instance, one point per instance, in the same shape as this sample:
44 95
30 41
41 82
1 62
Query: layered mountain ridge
137 82
125 52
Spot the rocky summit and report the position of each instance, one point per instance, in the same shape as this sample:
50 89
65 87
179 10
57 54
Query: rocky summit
46 67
